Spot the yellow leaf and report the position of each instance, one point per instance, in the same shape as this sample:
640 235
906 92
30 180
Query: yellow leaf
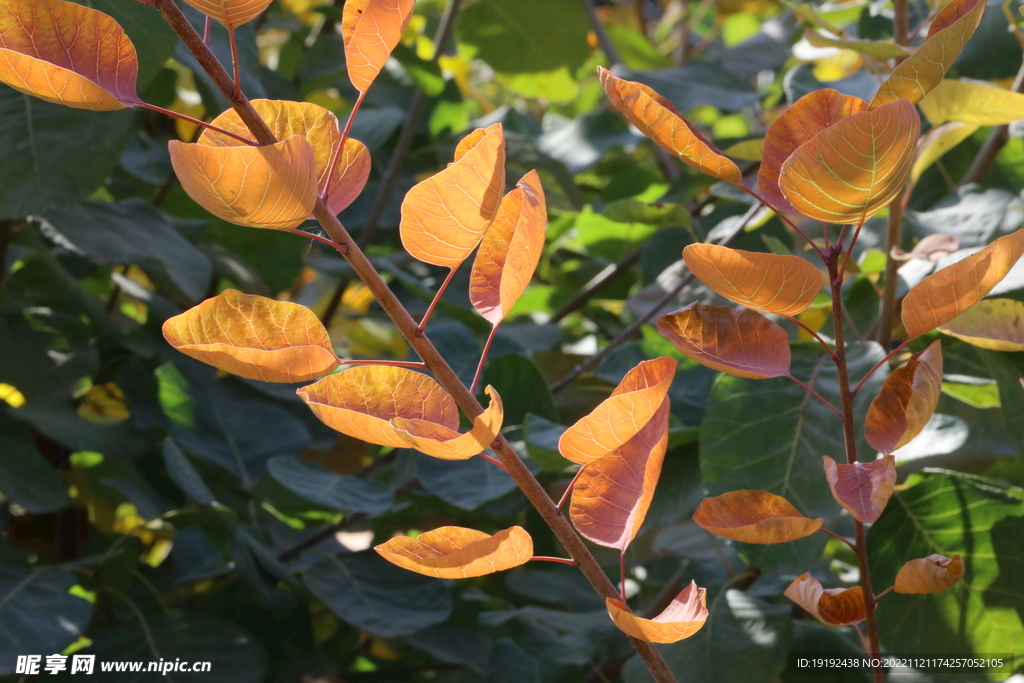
453 552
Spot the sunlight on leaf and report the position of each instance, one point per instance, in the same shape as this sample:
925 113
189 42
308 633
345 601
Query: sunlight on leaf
371 29
995 324
878 49
937 142
862 488
453 552
930 574
683 617
906 401
231 13
439 441
971 102
831 606
754 517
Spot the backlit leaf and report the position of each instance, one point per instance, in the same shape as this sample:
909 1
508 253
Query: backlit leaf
260 187
937 142
754 517
254 337
878 49
619 417
659 120
611 497
863 488
683 617
454 552
996 324
852 170
68 54
930 574
445 216
947 293
952 27
785 285
972 102
831 606
371 29
906 402
448 444
738 341
231 13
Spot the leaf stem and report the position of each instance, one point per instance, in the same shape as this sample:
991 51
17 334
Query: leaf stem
337 154
318 238
560 560
568 489
494 462
433 304
812 392
622 575
785 219
483 359
844 539
198 122
883 593
828 348
206 31
879 364
234 63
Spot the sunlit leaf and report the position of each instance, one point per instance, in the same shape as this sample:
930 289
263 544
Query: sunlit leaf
930 574
754 517
254 337
952 27
831 606
371 29
945 294
659 120
863 488
68 54
738 341
972 102
937 142
448 444
619 417
683 617
750 150
231 13
906 402
445 216
996 324
785 285
453 552
877 49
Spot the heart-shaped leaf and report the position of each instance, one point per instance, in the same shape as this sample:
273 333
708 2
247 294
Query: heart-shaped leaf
831 606
930 574
754 517
683 617
738 341
231 13
863 488
971 102
995 324
371 29
66 53
906 402
254 337
448 444
453 552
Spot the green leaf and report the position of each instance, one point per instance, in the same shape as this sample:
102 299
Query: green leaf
60 422
610 239
26 478
1008 370
454 645
811 638
426 75
541 437
975 395
185 475
522 388
334 491
466 484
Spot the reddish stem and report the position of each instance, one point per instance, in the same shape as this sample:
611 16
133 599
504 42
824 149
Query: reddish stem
494 462
234 63
483 358
433 304
814 393
841 538
883 593
206 32
336 156
622 575
198 122
568 490
849 251
815 335
785 219
879 364
341 248
560 560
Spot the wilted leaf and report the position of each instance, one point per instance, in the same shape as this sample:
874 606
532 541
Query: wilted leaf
906 402
996 324
877 49
754 517
937 142
734 340
683 617
371 29
832 606
231 13
785 285
930 574
448 444
972 102
68 54
453 552
658 119
862 488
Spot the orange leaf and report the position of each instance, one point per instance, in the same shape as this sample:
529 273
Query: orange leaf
371 29
831 606
754 517
996 324
319 127
510 250
254 337
259 187
231 13
361 402
659 120
947 293
620 416
952 28
863 488
445 216
612 495
68 54
439 441
453 552
808 116
738 341
785 285
906 401
853 169
683 617
929 574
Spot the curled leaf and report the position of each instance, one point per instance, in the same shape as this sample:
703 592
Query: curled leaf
906 401
683 617
930 574
453 552
370 30
738 341
980 104
254 337
995 324
442 442
863 488
754 517
231 13
831 606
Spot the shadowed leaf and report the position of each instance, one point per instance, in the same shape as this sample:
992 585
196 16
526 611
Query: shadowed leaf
754 517
831 606
995 324
448 444
231 13
930 574
970 102
906 402
454 552
371 29
683 617
862 488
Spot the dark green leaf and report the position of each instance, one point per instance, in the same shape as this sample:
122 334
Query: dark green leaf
522 388
26 477
466 484
185 475
60 422
455 645
541 437
334 491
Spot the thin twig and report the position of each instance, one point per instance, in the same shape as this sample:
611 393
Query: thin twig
568 490
561 560
816 395
841 538
494 462
817 336
340 151
318 238
603 39
883 593
433 304
878 365
483 359
596 283
198 122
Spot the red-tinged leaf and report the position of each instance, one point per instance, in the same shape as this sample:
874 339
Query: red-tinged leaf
439 441
738 341
510 250
785 285
66 53
683 617
930 574
659 120
952 27
619 417
853 169
754 517
863 488
906 402
612 495
371 29
231 13
254 337
453 552
995 324
945 294
445 216
831 606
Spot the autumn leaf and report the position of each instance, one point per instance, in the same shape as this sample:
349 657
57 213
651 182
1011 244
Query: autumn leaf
683 617
831 606
439 441
659 120
754 517
930 574
66 53
972 102
453 552
937 142
785 285
254 337
863 488
994 324
370 30
906 401
231 13
738 341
